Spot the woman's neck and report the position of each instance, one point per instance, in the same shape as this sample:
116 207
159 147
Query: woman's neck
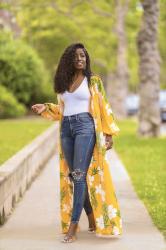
78 73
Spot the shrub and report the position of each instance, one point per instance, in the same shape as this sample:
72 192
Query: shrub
9 106
23 72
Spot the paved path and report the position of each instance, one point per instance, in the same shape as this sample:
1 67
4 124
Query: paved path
35 222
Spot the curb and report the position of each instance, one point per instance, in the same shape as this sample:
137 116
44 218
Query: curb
18 173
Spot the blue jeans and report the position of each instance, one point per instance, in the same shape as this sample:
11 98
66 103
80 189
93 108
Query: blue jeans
78 139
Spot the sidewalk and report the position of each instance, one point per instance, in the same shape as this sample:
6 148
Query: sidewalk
35 222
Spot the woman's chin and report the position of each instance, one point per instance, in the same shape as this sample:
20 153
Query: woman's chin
79 67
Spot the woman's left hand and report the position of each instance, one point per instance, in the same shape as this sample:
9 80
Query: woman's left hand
108 141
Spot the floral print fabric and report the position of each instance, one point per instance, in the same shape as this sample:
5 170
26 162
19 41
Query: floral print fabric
100 186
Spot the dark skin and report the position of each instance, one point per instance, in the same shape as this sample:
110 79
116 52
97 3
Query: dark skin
80 64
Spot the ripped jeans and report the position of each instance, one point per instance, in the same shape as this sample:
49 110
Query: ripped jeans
78 139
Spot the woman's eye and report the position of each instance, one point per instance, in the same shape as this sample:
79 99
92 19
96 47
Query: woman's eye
77 57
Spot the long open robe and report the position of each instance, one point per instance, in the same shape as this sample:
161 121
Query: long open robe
100 186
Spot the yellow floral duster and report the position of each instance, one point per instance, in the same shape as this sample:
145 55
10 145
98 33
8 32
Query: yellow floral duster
100 186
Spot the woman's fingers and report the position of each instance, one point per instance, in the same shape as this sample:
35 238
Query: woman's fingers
108 146
108 142
36 108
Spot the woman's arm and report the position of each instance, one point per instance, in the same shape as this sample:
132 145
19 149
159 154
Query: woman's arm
49 111
52 112
109 125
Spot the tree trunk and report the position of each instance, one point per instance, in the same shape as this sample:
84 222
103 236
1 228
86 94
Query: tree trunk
149 71
119 87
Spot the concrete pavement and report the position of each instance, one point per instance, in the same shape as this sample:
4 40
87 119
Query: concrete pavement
35 222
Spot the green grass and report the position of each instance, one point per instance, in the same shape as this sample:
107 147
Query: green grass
145 161
15 134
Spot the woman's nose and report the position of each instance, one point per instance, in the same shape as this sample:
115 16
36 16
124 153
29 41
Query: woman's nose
78 58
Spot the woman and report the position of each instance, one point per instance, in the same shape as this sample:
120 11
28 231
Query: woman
86 128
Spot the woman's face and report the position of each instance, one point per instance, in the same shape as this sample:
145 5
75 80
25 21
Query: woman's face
80 59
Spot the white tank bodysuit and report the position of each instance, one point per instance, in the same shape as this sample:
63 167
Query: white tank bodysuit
78 101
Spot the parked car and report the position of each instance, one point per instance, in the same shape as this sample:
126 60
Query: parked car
163 105
132 104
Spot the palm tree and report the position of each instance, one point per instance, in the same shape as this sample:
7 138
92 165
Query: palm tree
119 89
149 70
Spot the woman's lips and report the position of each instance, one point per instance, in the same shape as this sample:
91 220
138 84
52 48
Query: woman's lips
79 64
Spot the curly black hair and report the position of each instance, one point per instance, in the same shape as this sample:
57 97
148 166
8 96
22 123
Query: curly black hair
66 70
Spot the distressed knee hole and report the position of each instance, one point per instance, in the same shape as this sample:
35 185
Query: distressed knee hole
77 174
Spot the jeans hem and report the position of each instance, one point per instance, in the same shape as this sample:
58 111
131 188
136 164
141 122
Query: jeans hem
74 222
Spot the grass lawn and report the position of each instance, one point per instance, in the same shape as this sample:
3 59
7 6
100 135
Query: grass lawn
14 134
145 161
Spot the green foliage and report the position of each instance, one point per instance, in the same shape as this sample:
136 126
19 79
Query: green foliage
91 22
133 20
22 71
62 23
9 106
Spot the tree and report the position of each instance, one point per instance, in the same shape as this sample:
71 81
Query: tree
149 70
119 88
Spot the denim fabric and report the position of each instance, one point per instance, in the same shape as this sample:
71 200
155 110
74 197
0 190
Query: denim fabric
78 139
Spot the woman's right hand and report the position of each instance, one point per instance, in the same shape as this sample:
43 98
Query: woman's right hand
38 108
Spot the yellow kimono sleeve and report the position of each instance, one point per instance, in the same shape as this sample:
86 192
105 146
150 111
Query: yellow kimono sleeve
52 112
109 125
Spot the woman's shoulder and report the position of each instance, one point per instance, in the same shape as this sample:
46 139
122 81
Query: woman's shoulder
95 77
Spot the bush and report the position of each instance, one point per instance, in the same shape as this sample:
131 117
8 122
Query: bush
23 72
9 106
